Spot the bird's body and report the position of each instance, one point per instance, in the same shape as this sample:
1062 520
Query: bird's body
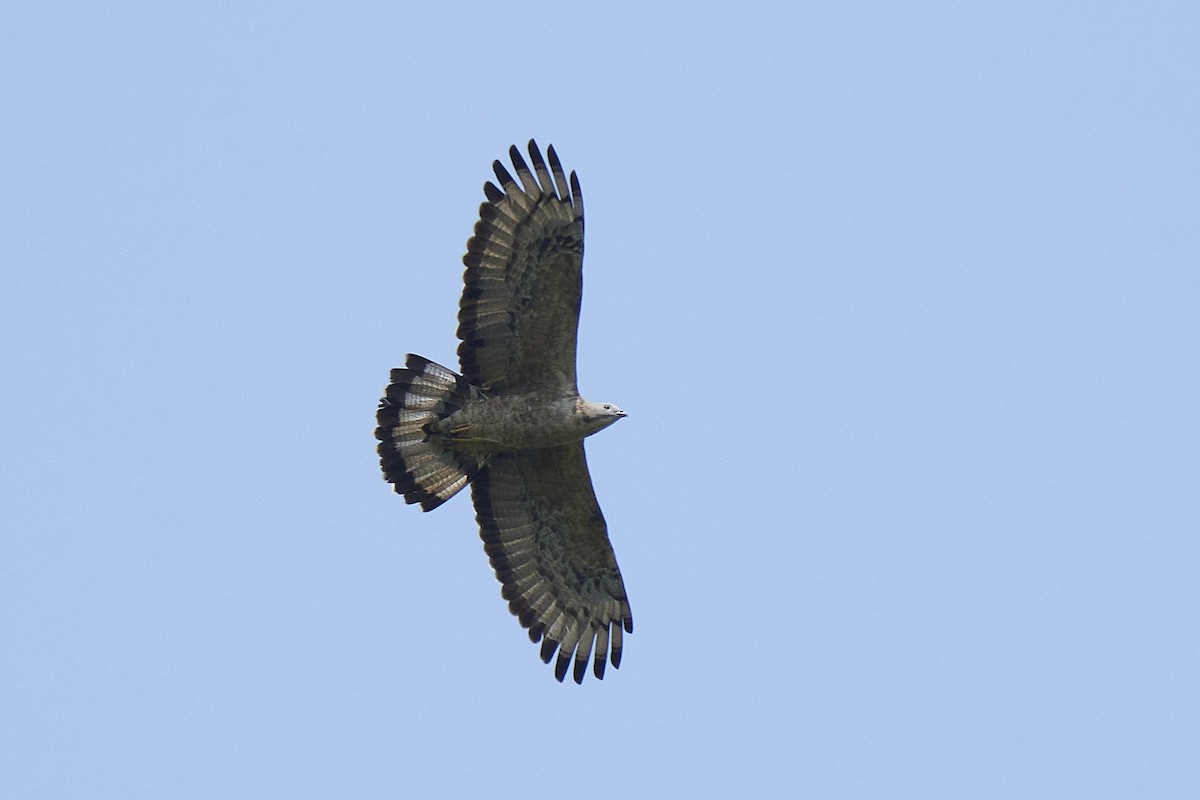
512 425
487 425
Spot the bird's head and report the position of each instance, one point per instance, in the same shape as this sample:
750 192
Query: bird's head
598 416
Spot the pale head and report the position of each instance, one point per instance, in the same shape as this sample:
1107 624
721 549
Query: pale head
597 416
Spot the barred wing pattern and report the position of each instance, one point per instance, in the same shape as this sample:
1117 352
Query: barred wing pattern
519 312
547 540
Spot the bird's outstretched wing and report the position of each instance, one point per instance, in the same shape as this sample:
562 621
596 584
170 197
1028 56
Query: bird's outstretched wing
546 538
520 306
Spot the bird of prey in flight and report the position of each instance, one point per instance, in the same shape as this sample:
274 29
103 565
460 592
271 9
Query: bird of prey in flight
512 424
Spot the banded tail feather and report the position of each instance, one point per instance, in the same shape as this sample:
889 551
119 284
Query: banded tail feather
419 467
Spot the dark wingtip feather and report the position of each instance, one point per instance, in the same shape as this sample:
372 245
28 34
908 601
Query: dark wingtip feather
560 668
492 191
527 617
502 175
548 648
576 194
515 156
580 671
560 181
543 173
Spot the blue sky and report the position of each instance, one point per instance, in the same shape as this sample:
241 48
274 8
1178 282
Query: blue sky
901 301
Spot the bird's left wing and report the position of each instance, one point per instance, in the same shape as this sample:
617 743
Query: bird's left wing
523 281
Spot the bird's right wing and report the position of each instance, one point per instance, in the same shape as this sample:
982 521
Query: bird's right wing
547 540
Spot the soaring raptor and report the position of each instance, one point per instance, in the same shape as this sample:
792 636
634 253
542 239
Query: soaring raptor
513 424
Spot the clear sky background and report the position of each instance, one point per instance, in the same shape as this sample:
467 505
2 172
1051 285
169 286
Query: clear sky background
902 301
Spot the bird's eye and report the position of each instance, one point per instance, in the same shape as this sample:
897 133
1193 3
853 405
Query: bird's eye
607 407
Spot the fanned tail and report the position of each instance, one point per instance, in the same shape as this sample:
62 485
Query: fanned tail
418 467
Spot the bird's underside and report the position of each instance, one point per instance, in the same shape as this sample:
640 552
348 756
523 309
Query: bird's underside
512 425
